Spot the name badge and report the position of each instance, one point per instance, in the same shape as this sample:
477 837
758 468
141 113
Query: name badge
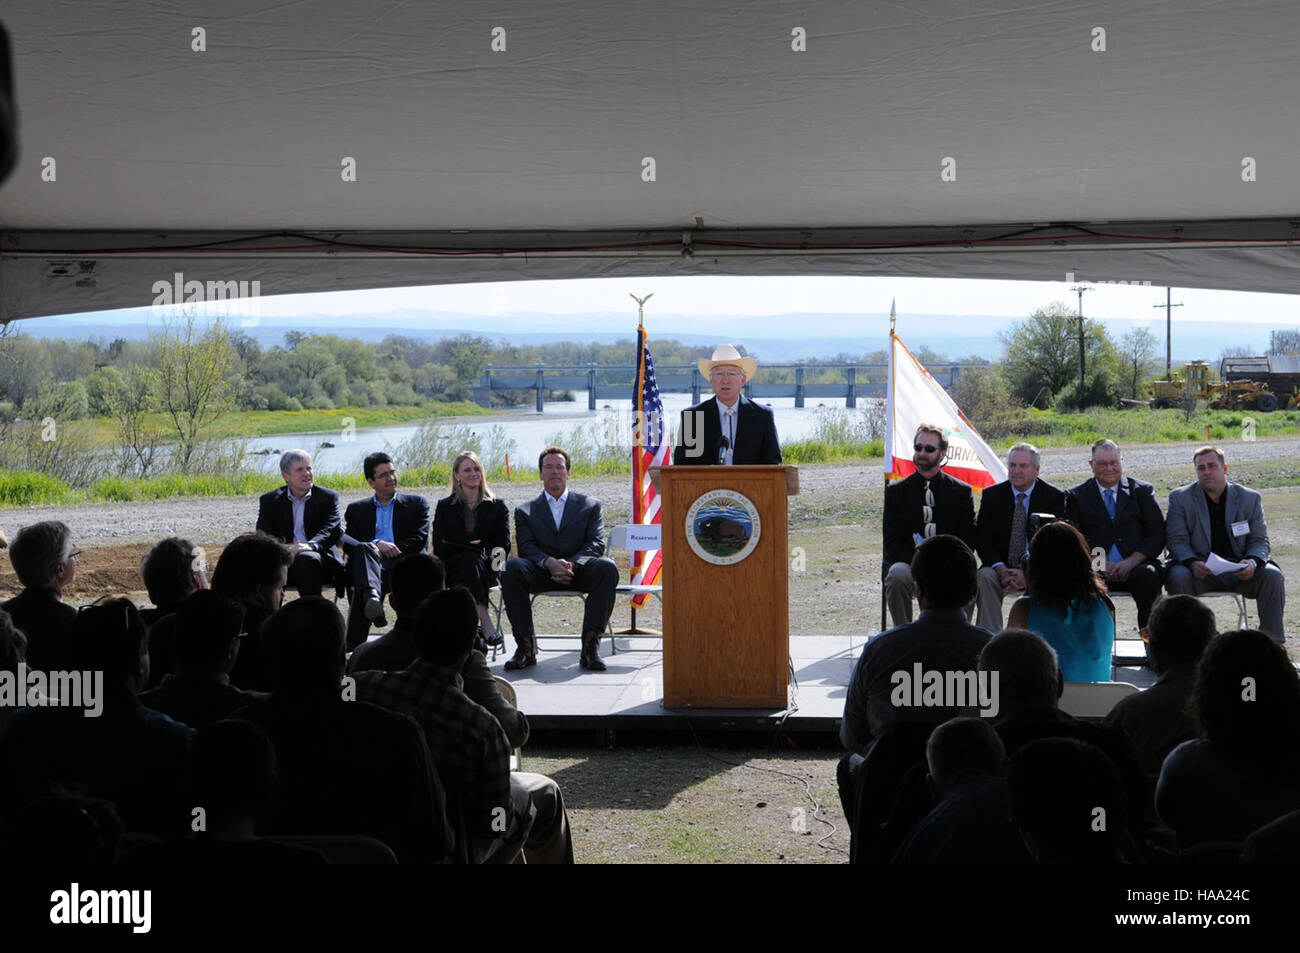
1241 528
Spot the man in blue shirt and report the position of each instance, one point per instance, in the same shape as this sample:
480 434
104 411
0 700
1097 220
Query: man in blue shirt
378 531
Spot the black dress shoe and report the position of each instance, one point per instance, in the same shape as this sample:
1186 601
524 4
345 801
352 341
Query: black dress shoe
497 639
519 661
591 662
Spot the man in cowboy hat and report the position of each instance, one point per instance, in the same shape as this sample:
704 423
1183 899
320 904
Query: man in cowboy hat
727 428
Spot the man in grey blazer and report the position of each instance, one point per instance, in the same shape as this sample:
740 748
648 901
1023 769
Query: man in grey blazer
1215 516
561 540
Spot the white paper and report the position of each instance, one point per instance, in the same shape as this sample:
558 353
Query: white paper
1221 567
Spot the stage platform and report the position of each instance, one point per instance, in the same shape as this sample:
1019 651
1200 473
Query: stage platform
562 699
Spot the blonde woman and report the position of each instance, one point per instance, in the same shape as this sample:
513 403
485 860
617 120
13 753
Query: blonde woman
469 526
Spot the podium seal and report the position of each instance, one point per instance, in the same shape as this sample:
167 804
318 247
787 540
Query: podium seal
722 527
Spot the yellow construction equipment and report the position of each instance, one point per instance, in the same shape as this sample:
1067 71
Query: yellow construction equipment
1218 395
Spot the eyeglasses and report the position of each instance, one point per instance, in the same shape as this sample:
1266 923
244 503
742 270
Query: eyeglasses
924 447
73 555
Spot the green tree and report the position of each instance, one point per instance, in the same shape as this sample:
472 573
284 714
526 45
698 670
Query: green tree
1138 349
1042 353
131 400
193 380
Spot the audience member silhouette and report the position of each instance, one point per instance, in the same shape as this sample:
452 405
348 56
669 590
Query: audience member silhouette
253 571
45 562
468 744
346 767
941 639
171 570
209 637
13 649
1029 688
1069 802
971 821
230 781
1066 603
129 754
413 579
64 831
1243 770
1156 720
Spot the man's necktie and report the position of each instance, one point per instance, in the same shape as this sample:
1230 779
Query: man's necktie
1114 554
1017 548
731 434
927 511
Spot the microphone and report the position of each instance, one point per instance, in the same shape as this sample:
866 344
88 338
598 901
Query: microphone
723 448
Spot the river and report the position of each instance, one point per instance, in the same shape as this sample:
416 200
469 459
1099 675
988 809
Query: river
529 430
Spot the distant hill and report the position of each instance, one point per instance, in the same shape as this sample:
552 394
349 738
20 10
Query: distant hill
768 337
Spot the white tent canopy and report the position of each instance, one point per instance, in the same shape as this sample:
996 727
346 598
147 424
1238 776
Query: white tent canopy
937 139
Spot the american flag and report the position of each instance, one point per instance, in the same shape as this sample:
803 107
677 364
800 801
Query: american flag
649 448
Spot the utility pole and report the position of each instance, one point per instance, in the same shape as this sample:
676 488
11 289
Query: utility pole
1168 306
1080 289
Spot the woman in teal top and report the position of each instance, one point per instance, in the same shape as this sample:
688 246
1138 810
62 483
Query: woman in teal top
1066 603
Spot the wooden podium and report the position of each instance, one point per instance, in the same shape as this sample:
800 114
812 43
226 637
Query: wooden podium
726 621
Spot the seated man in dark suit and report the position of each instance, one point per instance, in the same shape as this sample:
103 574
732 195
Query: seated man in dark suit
45 562
1002 530
561 540
307 518
1215 517
925 504
378 531
728 428
1120 516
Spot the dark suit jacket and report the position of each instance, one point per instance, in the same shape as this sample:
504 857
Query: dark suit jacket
491 525
581 536
954 506
410 523
1139 525
756 441
47 622
993 527
320 519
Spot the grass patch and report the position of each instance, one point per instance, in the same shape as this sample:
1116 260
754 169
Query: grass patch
25 487
1050 428
822 451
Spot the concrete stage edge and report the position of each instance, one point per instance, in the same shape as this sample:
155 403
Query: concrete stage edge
558 696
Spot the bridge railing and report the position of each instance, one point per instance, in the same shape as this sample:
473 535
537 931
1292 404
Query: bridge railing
615 381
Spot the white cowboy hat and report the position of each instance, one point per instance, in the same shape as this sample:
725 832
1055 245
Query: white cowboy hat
726 354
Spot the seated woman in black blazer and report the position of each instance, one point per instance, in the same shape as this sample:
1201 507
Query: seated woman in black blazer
468 528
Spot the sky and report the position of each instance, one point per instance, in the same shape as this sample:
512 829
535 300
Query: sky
719 296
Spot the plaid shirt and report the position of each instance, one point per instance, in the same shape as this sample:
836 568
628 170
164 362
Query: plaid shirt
466 741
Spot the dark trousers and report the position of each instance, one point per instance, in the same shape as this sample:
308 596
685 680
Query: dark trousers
307 574
596 577
1144 584
366 570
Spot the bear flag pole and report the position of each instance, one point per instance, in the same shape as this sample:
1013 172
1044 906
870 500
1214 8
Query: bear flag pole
914 397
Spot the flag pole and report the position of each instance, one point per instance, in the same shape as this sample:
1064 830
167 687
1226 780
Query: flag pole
638 444
889 450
